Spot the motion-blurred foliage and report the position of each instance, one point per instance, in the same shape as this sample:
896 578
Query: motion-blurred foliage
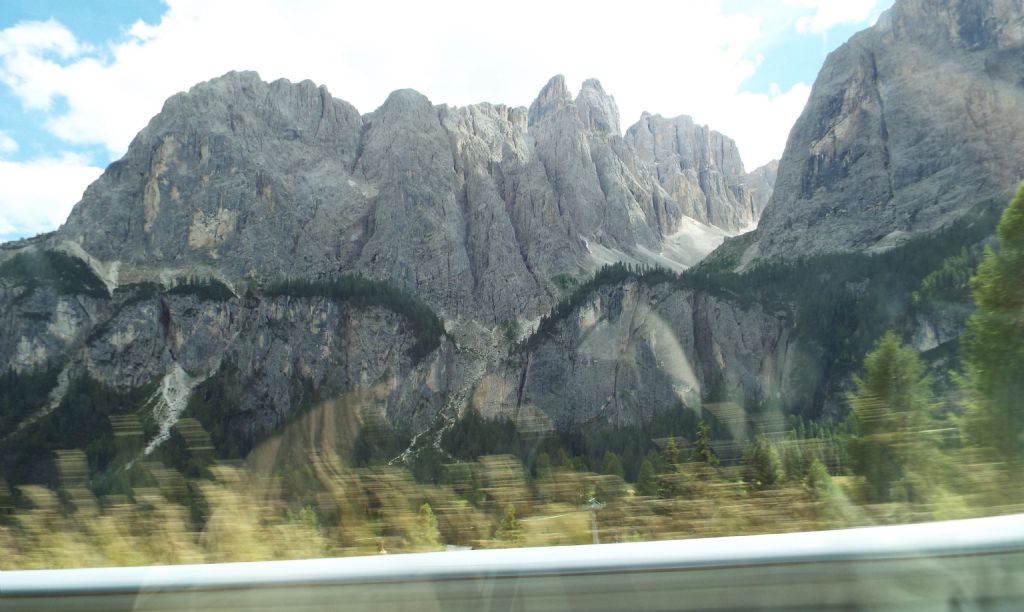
903 456
238 512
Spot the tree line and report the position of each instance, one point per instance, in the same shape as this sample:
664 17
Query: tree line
426 327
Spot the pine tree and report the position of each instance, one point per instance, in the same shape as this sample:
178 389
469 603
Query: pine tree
426 535
509 529
762 465
890 409
993 347
612 465
647 480
824 491
795 462
703 451
563 460
670 456
819 481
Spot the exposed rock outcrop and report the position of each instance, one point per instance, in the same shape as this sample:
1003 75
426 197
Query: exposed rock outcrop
265 356
485 212
475 209
908 125
488 213
760 184
630 351
698 168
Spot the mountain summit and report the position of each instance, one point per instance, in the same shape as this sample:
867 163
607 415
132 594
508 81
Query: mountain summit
475 209
907 122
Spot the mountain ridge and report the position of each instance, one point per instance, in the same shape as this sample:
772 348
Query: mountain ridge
494 217
499 190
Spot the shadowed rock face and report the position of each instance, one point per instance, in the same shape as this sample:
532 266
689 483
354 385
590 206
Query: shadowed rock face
908 124
631 350
761 183
263 358
475 209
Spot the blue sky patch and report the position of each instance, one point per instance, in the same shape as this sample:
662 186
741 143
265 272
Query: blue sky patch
93 21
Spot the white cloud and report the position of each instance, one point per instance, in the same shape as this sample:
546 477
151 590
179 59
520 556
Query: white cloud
39 36
760 124
831 13
7 144
32 53
37 195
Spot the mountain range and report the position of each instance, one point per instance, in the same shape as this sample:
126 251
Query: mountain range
476 209
263 250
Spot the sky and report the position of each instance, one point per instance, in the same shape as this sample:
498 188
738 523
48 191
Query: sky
79 79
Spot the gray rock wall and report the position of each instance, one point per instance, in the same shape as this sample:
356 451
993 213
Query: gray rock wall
475 209
282 352
908 125
482 211
631 351
698 168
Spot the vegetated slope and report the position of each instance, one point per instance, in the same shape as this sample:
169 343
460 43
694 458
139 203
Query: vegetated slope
782 338
841 303
113 374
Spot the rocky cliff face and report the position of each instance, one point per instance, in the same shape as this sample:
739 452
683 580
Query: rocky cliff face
475 209
760 183
908 124
701 170
632 350
262 357
486 213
